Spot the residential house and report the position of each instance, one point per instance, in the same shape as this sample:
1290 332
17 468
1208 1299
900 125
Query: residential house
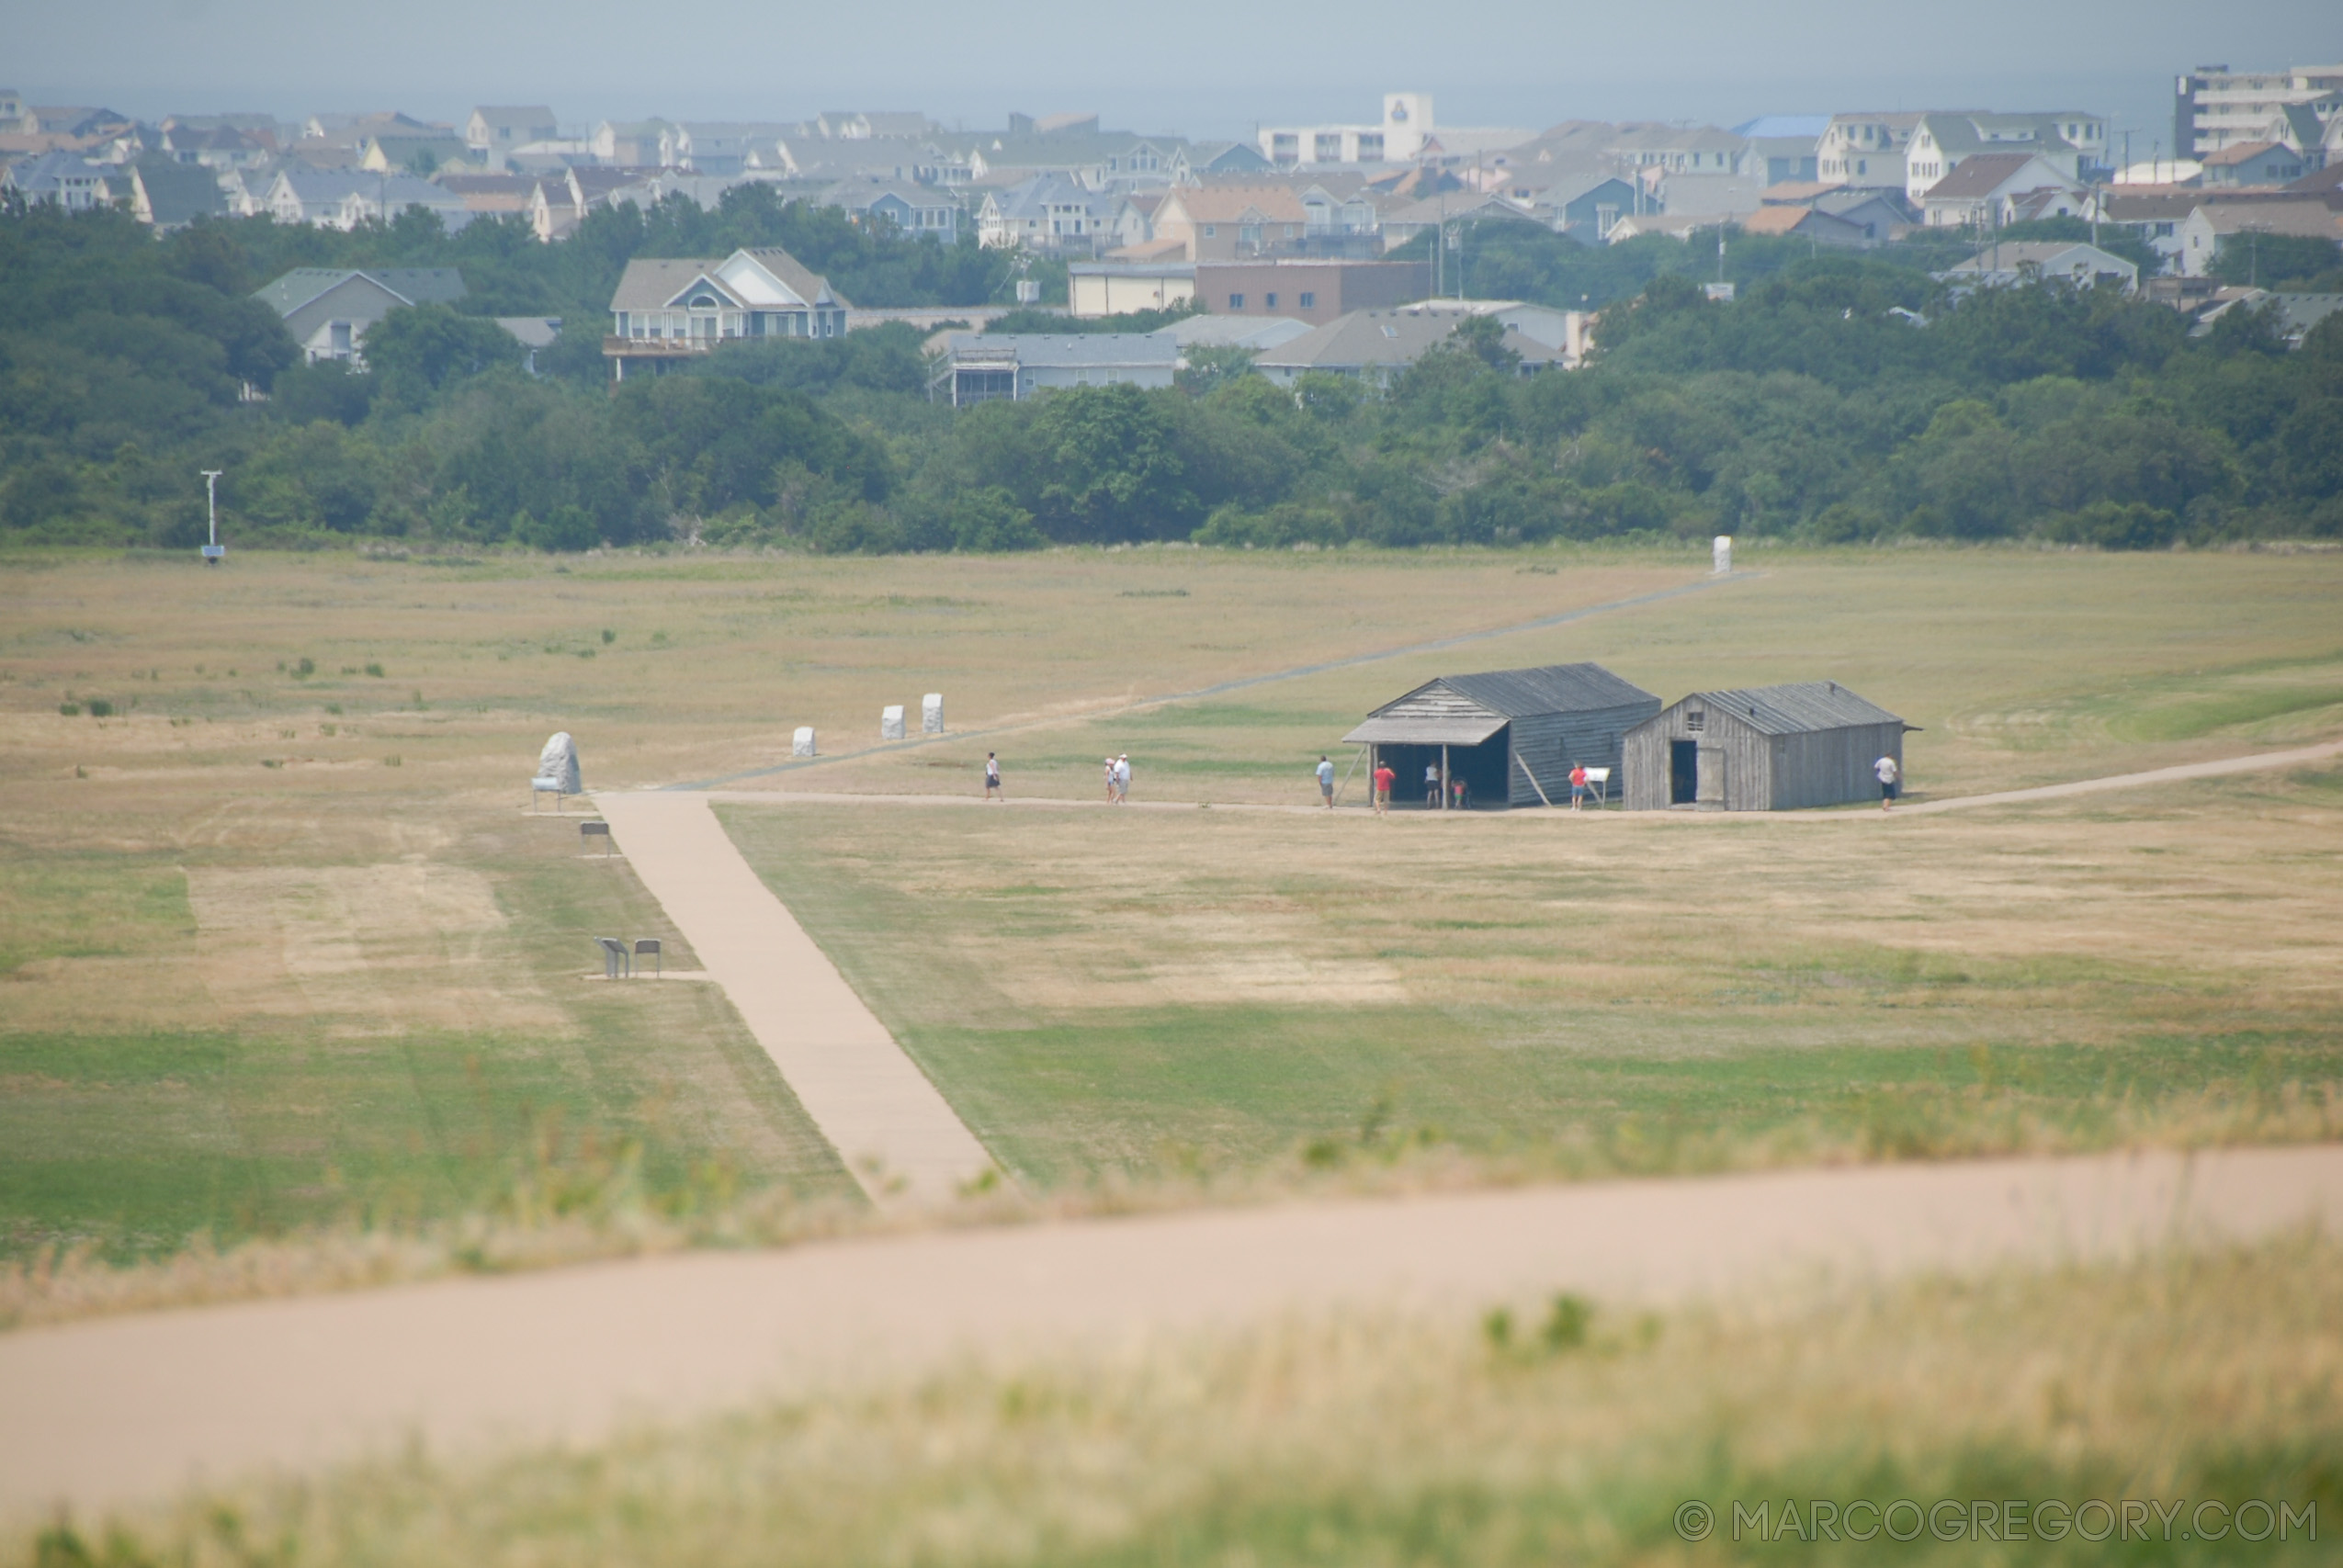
2214 226
1339 213
979 369
2013 262
167 194
1978 193
2152 216
66 180
861 125
2296 313
1097 160
629 144
1582 205
1880 214
2215 108
339 141
329 309
2254 163
665 311
559 203
385 154
1117 287
1811 224
1674 149
214 146
1571 332
533 333
2069 141
344 198
1134 221
496 132
12 111
1315 289
920 211
1221 222
499 194
1865 149
1450 210
1377 346
1782 148
1048 213
717 147
1208 158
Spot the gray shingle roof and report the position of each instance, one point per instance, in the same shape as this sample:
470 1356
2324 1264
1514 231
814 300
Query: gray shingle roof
1795 710
1464 710
416 285
1070 351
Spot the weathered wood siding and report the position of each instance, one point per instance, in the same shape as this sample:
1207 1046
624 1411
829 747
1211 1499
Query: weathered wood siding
1550 742
1735 761
1831 767
1744 769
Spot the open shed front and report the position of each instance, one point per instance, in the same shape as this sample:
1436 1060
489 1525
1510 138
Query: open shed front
1475 749
1481 767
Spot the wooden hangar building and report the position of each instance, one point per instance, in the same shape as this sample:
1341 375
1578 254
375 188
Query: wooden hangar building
1512 736
1762 748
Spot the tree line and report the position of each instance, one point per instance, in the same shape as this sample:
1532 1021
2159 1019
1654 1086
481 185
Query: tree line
1836 397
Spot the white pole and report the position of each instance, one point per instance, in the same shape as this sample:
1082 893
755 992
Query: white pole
211 515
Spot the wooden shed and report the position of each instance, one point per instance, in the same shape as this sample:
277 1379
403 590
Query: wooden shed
1510 735
1762 748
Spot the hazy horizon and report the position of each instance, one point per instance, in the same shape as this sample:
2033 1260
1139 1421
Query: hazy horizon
1223 70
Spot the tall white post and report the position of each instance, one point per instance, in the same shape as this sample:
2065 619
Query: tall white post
211 550
1721 553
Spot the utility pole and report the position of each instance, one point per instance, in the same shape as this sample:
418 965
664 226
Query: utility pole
211 550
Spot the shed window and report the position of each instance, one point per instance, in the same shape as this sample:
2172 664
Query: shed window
1695 720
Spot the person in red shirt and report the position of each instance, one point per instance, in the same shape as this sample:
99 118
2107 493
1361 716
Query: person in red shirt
1577 784
1384 779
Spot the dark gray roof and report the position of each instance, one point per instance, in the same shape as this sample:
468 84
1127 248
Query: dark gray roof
1464 710
1796 709
1549 688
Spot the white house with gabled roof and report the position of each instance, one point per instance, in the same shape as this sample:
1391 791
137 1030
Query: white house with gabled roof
667 310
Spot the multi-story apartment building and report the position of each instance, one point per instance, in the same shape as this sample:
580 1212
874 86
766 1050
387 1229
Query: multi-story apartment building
2214 107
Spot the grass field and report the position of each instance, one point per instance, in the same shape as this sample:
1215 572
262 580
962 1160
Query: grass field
2202 1393
278 944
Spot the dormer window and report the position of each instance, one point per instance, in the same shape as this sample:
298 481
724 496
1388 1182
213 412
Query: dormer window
1695 720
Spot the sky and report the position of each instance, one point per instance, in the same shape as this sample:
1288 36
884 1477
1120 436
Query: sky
1203 67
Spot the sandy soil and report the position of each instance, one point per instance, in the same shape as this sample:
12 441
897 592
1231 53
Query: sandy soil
117 1410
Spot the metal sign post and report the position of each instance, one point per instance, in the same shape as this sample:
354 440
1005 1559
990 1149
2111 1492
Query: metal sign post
212 550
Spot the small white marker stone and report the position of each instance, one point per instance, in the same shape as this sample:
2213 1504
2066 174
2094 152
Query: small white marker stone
932 714
1723 554
891 723
801 743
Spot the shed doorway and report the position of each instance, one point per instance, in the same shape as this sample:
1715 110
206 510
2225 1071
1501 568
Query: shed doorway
1684 772
1481 770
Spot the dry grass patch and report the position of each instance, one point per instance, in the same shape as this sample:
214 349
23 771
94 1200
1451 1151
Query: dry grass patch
1572 1436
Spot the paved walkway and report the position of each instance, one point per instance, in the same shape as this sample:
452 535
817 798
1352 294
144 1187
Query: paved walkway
904 1143
2258 762
120 1409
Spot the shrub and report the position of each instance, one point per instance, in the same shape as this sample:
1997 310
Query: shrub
71 710
100 708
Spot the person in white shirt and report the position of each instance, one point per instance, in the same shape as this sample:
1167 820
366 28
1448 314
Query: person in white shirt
1890 781
1123 779
1326 781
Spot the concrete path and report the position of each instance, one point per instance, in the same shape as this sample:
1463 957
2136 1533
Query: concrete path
904 1143
2258 762
121 1409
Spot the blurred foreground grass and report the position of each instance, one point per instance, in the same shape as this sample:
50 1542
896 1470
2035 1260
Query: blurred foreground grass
1549 1432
